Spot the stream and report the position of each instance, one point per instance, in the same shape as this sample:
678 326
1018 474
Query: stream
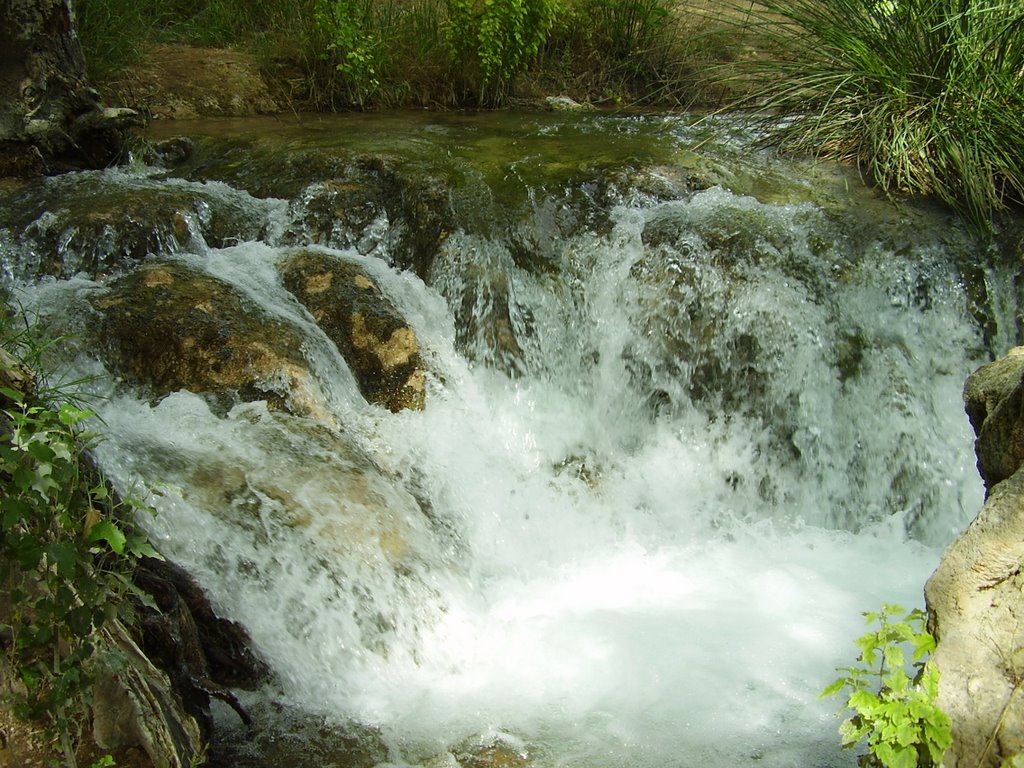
690 410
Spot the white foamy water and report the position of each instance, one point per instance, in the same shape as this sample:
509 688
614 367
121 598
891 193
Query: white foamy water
547 559
730 428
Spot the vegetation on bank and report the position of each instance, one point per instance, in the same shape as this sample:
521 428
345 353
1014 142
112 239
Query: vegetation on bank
924 95
896 715
343 54
67 549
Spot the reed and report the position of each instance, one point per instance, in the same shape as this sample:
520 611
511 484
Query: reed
925 95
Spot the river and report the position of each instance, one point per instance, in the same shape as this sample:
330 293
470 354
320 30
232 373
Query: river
691 409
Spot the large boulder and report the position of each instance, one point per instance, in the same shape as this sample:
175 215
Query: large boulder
167 327
976 596
994 399
136 706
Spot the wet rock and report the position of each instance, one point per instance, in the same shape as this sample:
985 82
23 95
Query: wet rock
202 653
167 327
994 398
136 706
297 739
976 595
368 330
19 160
564 104
374 209
374 203
475 276
94 225
169 153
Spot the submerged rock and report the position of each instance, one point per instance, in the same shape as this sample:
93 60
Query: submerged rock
368 330
97 225
976 595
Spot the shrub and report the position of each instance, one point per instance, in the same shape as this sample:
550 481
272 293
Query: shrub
499 38
926 95
67 549
347 25
896 714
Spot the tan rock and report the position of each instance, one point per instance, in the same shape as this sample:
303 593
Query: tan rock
976 596
167 327
368 330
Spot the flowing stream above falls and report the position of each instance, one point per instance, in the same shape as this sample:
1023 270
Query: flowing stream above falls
690 409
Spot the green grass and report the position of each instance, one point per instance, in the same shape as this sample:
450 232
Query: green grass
344 54
926 97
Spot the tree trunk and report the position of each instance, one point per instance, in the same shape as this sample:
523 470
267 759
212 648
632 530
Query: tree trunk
51 118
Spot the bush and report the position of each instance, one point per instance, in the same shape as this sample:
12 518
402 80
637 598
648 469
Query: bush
926 95
897 715
497 38
67 548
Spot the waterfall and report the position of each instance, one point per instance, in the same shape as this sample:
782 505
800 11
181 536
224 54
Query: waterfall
657 480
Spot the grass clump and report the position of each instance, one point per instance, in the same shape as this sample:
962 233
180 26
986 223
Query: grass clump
925 95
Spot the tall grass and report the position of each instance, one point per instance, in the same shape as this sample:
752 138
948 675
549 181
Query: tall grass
926 95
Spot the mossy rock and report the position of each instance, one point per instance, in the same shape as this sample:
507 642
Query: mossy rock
371 334
167 327
97 225
994 401
336 195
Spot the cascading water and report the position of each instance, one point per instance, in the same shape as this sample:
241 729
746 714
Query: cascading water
657 480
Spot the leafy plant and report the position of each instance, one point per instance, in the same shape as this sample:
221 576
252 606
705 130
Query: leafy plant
500 37
346 25
896 714
67 549
925 95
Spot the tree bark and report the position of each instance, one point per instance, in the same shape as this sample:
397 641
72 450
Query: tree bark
51 118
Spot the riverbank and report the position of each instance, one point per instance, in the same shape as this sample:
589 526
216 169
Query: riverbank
601 53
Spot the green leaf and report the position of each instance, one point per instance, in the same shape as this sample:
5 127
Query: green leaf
79 621
894 657
64 555
864 702
108 532
12 394
14 511
139 546
833 689
907 733
852 732
69 415
924 644
903 758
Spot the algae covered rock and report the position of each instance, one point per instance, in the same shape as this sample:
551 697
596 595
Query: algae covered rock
97 224
368 330
168 327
